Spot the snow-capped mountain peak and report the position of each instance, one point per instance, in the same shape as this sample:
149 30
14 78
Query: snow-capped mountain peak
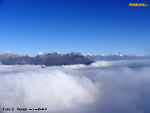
7 54
40 53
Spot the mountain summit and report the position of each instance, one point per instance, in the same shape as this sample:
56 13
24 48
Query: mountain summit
7 54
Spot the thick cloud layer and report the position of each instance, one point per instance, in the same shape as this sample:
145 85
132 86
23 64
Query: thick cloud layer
102 87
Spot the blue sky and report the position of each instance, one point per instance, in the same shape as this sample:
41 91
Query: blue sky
86 26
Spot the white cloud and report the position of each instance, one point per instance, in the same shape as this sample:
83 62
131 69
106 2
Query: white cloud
102 87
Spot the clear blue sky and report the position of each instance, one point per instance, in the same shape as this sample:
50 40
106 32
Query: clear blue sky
86 26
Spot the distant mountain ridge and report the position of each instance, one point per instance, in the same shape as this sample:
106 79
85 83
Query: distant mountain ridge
117 56
48 59
56 59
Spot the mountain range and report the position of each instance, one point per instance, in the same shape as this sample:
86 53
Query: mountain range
48 59
56 59
117 56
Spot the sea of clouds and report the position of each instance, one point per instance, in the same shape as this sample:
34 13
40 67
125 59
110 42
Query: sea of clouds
102 87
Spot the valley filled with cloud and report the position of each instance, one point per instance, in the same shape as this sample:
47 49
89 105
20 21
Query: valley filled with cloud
101 87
